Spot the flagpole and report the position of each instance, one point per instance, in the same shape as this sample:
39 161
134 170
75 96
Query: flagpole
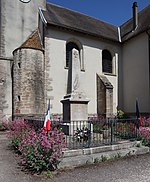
47 119
48 131
137 114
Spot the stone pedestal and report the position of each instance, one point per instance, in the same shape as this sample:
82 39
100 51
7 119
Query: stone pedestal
75 112
75 108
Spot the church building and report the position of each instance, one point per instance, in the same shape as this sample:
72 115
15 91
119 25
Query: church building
37 42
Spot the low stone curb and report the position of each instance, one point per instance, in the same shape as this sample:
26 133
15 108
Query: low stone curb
88 151
81 157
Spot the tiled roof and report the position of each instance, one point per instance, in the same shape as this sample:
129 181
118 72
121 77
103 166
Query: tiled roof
33 41
62 17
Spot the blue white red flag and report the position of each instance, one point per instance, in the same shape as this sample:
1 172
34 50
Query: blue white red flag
47 122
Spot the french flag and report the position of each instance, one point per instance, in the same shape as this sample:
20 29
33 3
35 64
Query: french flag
47 122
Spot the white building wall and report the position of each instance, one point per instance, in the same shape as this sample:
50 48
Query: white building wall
92 55
136 81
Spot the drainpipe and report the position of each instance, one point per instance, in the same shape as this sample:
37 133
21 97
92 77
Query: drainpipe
119 34
135 15
148 33
42 16
149 65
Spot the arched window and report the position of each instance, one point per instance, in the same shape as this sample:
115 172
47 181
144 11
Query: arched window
106 61
69 47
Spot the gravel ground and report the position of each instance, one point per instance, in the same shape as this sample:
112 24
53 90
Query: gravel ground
133 169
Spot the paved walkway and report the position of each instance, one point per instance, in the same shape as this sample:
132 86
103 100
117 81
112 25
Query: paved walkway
135 169
9 168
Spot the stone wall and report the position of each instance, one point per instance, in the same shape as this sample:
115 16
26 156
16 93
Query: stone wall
101 97
5 89
28 82
104 96
2 31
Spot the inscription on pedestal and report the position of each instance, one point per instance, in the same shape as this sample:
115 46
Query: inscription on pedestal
79 112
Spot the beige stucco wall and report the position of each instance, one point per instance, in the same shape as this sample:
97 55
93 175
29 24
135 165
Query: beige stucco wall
136 83
55 57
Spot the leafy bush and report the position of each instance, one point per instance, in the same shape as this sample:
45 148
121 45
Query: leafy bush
145 135
126 129
120 114
40 151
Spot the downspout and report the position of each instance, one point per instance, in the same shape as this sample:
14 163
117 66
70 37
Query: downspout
149 64
149 58
119 34
45 82
12 77
42 16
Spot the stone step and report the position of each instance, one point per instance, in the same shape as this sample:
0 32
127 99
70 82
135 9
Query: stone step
81 160
87 151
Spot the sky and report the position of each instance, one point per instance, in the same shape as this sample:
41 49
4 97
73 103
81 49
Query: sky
115 12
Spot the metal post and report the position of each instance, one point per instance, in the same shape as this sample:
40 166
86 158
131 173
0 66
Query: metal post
111 124
89 134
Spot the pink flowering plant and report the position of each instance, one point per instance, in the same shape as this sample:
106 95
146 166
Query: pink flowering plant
39 151
144 131
146 122
18 130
